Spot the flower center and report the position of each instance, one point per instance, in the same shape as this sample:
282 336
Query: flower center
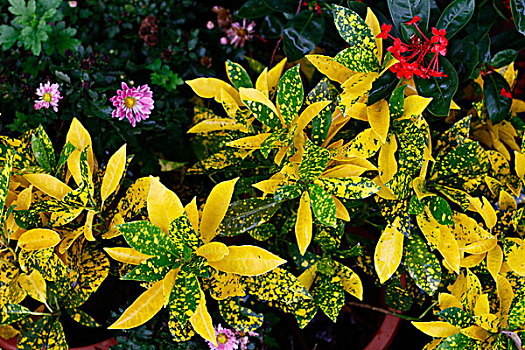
130 102
221 338
241 32
47 97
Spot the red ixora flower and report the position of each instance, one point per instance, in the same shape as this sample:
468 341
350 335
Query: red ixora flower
411 56
505 93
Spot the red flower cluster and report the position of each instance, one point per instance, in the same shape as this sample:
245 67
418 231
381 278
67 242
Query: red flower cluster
411 57
316 7
505 93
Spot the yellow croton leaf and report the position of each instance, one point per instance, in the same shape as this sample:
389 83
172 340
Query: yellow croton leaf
448 247
344 170
373 24
247 260
446 300
340 210
307 278
506 201
472 260
387 159
308 114
69 238
113 174
359 111
388 252
516 260
211 88
415 105
269 186
88 226
494 261
73 164
216 124
143 309
164 205
476 332
505 295
489 322
481 247
34 284
332 69
215 208
248 94
192 212
127 255
202 323
274 75
303 225
519 165
482 305
485 209
364 145
378 116
437 329
213 251
168 283
38 238
249 142
113 230
261 83
48 184
80 138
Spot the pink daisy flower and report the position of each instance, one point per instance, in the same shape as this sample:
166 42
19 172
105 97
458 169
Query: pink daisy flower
49 96
240 34
133 103
226 339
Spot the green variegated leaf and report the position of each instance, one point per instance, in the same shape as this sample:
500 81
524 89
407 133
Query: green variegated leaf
323 205
145 237
352 187
329 239
422 265
272 142
329 295
224 285
440 210
457 196
314 161
10 313
361 55
43 149
82 318
237 75
185 296
397 297
416 206
412 141
457 341
456 317
180 332
239 317
218 161
134 201
5 175
276 285
64 156
517 314
290 94
247 214
21 149
262 108
304 312
152 270
183 240
396 103
288 192
457 135
263 232
321 122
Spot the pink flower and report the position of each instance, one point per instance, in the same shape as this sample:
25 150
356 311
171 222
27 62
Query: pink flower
224 40
244 339
210 25
133 103
72 3
239 34
226 339
49 96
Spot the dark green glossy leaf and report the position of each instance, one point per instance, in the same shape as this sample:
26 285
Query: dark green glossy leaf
82 318
289 6
498 106
441 90
416 206
237 75
484 49
290 94
323 205
403 11
247 214
397 297
253 9
382 87
464 55
272 26
43 149
440 210
518 14
288 192
239 317
396 103
185 296
301 34
455 16
457 341
504 58
456 317
422 265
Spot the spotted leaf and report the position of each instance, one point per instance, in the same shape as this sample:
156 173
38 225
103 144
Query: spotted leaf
43 149
145 237
185 296
388 252
183 240
247 214
329 295
263 109
290 94
440 210
456 317
239 317
352 187
313 162
422 265
247 261
237 75
323 205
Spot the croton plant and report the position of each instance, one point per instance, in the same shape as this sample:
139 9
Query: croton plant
385 139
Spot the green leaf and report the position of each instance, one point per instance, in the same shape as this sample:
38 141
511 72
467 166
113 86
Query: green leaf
8 36
456 342
253 9
416 206
288 192
464 56
329 295
441 90
10 313
456 317
237 75
323 205
321 122
239 317
289 6
247 214
290 94
504 58
349 187
301 34
19 7
185 296
517 314
440 210
82 318
5 176
144 237
183 240
498 106
382 87
397 297
361 55
313 162
180 332
396 103
422 265
518 14
152 270
403 11
455 16
64 156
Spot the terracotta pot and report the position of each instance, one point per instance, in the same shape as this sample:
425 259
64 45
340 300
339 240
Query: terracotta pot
10 344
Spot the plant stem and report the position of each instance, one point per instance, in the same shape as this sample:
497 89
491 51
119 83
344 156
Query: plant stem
429 308
384 311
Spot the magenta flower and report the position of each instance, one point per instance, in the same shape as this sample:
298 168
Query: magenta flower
239 34
226 339
49 96
133 103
